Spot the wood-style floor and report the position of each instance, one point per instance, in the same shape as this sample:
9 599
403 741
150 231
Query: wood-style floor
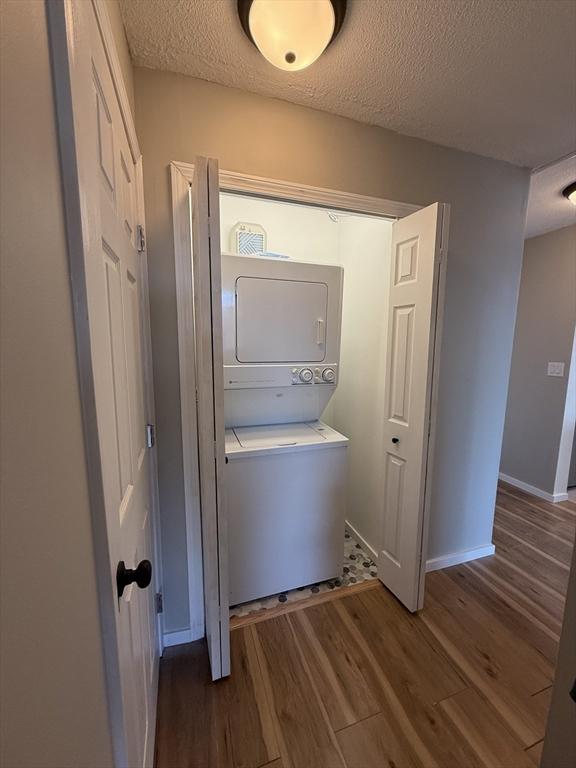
358 682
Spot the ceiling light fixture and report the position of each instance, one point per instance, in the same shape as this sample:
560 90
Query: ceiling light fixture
291 34
570 192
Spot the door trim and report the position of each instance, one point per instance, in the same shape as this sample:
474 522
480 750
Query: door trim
61 21
439 301
150 411
260 186
180 187
181 175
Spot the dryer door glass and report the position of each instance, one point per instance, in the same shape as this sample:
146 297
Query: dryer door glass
280 321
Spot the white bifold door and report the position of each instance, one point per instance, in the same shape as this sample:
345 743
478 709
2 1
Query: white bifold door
419 243
207 282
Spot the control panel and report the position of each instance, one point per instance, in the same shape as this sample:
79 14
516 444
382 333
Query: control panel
279 376
324 375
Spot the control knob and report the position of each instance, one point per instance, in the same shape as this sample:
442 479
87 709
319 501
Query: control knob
306 375
329 375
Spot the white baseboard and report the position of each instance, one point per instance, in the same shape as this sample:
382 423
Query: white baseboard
177 638
553 497
361 540
436 563
456 558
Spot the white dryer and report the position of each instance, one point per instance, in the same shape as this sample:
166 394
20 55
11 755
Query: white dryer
285 500
281 324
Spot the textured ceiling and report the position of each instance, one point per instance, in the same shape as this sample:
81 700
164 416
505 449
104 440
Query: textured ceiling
495 77
547 208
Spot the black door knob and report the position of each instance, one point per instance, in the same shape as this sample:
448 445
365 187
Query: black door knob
395 440
142 575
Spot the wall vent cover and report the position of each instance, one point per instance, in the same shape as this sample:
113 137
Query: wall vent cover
247 239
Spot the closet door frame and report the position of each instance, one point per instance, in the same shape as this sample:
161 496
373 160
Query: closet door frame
182 175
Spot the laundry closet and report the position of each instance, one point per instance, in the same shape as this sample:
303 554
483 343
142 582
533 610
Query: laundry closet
309 325
304 328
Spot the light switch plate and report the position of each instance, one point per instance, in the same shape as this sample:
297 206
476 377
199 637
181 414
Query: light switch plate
555 369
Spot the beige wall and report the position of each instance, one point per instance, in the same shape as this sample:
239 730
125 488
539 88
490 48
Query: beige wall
544 333
53 704
179 117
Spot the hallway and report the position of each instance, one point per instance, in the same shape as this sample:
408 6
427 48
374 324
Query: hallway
357 681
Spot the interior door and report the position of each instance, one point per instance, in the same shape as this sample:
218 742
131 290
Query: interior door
419 243
117 313
106 169
205 193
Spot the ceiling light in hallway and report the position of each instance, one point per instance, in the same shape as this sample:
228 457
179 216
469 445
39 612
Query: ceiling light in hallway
291 34
569 192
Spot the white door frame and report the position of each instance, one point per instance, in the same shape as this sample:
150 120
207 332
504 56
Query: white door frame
231 181
60 19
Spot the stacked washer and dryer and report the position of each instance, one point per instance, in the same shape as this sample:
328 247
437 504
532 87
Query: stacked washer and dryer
285 470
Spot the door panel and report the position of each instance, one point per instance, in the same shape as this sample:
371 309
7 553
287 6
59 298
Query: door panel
395 467
400 370
418 247
204 196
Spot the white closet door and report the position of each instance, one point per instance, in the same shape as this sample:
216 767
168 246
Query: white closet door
419 244
205 193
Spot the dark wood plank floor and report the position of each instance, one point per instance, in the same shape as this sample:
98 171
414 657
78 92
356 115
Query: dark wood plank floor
358 682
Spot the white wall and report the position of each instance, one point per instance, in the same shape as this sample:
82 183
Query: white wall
358 405
301 232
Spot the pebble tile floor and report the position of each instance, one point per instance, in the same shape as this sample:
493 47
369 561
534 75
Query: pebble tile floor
358 567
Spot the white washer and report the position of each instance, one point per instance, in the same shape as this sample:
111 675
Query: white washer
285 488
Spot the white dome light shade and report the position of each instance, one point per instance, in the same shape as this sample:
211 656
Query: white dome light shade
291 34
570 192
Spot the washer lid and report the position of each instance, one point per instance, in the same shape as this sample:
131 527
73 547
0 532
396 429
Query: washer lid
278 436
281 438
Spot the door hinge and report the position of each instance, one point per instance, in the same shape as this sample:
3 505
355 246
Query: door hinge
140 238
150 435
159 603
